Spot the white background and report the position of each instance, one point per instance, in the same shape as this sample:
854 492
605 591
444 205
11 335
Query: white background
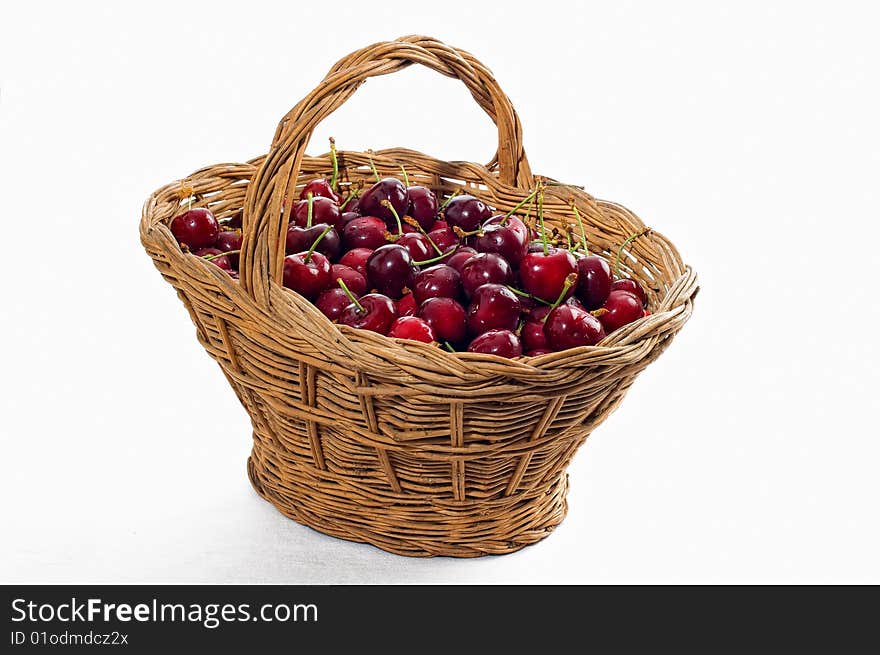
748 134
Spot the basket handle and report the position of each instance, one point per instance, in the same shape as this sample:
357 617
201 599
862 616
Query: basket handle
263 246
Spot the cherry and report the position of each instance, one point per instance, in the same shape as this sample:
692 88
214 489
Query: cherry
216 257
307 274
390 189
357 259
446 317
301 238
320 188
460 257
594 281
413 328
351 204
628 284
232 222
353 279
418 245
230 240
370 312
345 218
440 224
569 327
390 270
407 305
332 302
422 206
503 343
508 237
197 228
483 268
533 337
440 281
622 307
538 351
444 237
466 212
324 210
365 232
543 274
535 246
493 306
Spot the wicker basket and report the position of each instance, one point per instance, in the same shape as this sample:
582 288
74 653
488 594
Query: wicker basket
406 446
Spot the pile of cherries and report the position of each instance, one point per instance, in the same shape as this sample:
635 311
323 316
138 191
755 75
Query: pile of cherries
462 275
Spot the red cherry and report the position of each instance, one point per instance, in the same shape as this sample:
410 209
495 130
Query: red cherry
307 278
484 268
301 238
413 328
344 219
461 255
371 312
444 238
390 270
197 228
324 210
544 275
357 259
223 262
320 188
390 189
466 212
422 206
407 305
533 337
364 232
332 302
510 239
570 327
503 343
418 245
493 306
356 282
230 240
446 317
623 307
628 284
440 281
440 224
594 281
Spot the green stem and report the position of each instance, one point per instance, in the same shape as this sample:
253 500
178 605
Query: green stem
461 234
523 294
405 176
315 244
624 245
387 205
446 202
448 347
311 198
335 178
218 255
409 220
436 259
581 223
372 165
350 295
520 205
569 282
351 196
541 217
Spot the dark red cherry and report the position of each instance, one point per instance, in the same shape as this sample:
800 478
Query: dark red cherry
628 284
324 210
440 225
390 270
509 240
233 222
532 336
444 238
302 238
483 268
493 306
390 189
461 255
407 305
344 219
466 212
503 343
418 245
570 327
320 188
594 281
364 232
332 302
371 312
357 259
544 276
355 282
623 307
446 317
197 228
230 240
223 262
440 281
307 278
422 206
413 328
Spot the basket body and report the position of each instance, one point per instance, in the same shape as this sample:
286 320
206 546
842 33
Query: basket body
399 444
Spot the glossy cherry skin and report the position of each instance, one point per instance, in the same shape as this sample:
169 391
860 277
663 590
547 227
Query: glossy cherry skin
390 189
628 284
301 238
230 240
332 302
493 307
458 259
407 306
413 328
319 188
344 219
570 327
503 343
364 232
222 262
543 276
357 259
390 270
307 278
509 240
483 268
355 282
197 228
594 281
533 337
466 212
623 307
446 317
324 210
444 238
439 281
418 245
378 313
422 206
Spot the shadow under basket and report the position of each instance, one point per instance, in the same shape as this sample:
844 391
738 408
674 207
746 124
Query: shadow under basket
397 443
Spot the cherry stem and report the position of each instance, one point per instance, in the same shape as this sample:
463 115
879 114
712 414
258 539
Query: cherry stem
540 191
351 196
624 245
387 205
436 259
519 206
311 198
373 165
350 295
446 202
335 178
448 347
220 254
462 234
523 294
581 223
315 244
409 220
405 176
569 282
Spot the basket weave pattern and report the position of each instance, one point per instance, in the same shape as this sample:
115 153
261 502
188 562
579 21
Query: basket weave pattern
396 443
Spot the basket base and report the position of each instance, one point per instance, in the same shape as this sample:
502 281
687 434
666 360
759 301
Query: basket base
412 525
